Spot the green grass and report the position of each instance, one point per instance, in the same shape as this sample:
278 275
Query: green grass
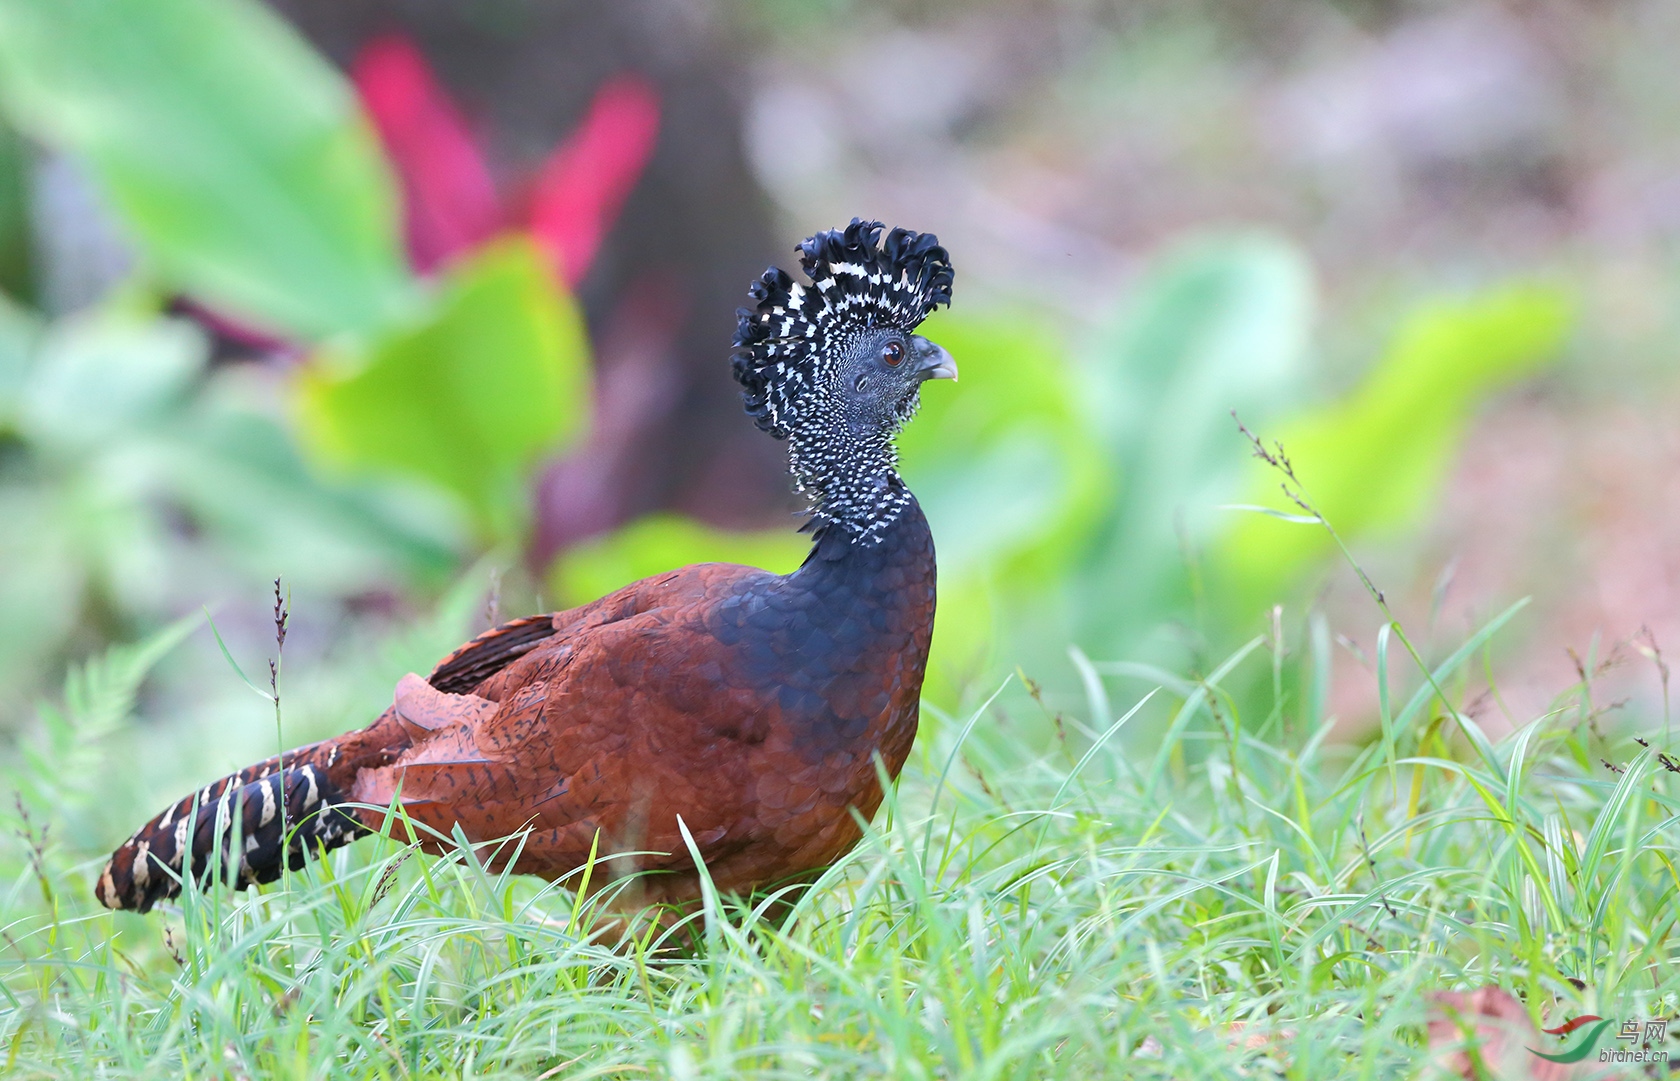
1093 911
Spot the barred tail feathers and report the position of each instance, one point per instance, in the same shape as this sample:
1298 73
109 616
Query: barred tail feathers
286 807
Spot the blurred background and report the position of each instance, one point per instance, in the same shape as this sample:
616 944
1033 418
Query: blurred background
424 308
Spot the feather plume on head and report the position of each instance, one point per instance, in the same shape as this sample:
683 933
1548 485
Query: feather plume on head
787 344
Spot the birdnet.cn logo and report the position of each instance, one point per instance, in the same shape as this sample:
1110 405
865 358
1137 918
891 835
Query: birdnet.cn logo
1640 1035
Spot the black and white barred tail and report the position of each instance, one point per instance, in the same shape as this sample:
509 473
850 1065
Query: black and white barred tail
290 806
283 809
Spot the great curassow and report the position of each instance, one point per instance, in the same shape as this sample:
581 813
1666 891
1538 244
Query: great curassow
751 705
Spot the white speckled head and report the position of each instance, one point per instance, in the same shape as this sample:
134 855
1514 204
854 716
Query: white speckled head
834 367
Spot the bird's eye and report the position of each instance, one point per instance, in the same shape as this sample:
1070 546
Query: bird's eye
862 381
893 354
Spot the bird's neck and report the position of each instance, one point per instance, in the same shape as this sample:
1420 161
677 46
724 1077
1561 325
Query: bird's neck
852 481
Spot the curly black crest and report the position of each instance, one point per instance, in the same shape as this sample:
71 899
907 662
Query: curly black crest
781 343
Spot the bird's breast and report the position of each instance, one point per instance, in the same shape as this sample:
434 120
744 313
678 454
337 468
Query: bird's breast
844 642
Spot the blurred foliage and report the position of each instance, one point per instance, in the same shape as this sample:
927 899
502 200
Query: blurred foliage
1010 476
130 475
16 278
1217 324
467 400
1374 461
61 760
660 542
1010 472
139 481
1075 489
233 153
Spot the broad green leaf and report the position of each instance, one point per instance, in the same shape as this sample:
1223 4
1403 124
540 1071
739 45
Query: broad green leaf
663 542
470 400
1003 462
235 155
238 474
1375 460
1221 323
1001 496
98 376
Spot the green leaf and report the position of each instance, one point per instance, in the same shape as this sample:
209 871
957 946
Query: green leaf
1375 460
1003 463
663 542
106 374
236 156
238 474
470 400
1221 323
1010 476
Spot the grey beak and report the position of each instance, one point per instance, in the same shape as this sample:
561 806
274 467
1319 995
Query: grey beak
932 361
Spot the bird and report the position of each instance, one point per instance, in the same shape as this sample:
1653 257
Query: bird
716 715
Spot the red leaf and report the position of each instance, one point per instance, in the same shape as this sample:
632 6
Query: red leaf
244 335
584 182
1572 1024
449 200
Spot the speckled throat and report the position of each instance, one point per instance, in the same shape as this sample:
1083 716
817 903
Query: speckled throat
852 481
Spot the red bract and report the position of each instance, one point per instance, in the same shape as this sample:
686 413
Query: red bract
585 181
450 202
